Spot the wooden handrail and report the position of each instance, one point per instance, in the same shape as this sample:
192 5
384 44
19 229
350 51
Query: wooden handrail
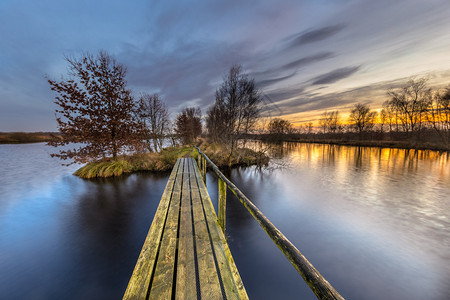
317 283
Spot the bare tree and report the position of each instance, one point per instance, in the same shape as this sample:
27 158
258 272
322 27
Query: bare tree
329 122
410 104
188 125
236 109
96 110
309 128
443 104
361 118
439 115
155 116
279 127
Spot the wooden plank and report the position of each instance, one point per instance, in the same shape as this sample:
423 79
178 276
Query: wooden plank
163 280
231 280
140 279
186 287
207 272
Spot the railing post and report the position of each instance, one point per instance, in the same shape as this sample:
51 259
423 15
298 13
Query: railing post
204 170
199 157
222 206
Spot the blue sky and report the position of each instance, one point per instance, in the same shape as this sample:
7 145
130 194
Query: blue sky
307 56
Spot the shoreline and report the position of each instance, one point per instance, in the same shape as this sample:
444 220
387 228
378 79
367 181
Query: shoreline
28 137
366 143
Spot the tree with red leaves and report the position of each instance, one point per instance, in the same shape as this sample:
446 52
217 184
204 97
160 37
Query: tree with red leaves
96 110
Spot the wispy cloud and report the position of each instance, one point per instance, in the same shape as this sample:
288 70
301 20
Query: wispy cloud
268 82
315 35
307 60
335 75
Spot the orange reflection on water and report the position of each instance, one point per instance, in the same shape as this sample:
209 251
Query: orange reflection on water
391 160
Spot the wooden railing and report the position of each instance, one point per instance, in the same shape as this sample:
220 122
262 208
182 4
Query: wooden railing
317 283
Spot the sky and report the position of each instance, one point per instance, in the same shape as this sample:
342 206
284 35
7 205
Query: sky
306 56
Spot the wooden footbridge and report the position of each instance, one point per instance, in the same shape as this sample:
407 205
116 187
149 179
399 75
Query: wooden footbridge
185 254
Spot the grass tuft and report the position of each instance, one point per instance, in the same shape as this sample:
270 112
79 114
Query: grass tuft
104 169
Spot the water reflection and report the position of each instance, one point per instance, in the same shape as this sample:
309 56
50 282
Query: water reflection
375 222
66 238
388 210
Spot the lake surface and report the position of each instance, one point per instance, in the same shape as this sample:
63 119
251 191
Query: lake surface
374 222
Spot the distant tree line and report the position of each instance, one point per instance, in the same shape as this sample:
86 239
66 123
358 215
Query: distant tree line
413 113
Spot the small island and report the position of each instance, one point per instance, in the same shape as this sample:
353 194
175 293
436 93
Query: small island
166 158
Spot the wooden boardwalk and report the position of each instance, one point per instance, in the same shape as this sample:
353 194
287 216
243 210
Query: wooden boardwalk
185 254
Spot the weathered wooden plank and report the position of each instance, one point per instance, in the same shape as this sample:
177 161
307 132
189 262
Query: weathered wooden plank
231 280
186 287
207 272
163 279
140 279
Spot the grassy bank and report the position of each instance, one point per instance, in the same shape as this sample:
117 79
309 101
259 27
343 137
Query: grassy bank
165 160
27 137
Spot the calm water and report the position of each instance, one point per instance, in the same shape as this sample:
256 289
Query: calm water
375 223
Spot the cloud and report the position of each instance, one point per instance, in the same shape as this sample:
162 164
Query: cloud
286 94
300 100
307 60
313 36
272 76
189 73
335 75
267 82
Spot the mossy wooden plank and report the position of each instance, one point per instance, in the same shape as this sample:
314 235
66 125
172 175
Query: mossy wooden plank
140 279
207 272
231 280
163 279
186 287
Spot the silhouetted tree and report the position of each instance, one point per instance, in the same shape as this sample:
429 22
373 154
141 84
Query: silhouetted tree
329 122
96 110
154 114
410 104
309 128
236 109
361 118
188 125
439 115
279 127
